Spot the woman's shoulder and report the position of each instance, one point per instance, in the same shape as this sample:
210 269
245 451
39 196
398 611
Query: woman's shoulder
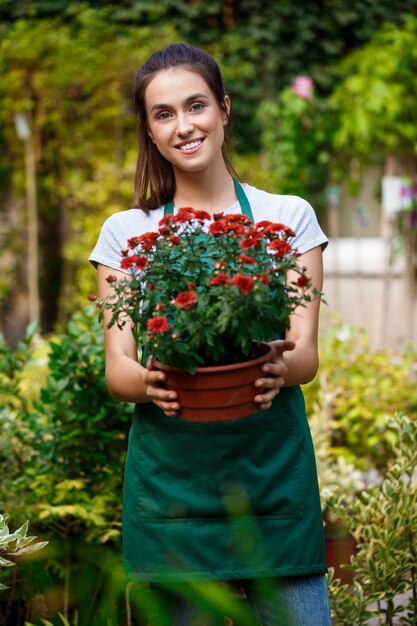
267 201
293 211
133 221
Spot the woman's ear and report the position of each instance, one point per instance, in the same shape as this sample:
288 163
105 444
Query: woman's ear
150 135
226 110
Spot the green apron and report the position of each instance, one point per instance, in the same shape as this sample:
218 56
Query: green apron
230 500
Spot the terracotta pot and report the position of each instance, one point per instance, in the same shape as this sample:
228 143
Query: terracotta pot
340 546
221 392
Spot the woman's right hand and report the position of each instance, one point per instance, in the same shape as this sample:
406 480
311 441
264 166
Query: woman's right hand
165 399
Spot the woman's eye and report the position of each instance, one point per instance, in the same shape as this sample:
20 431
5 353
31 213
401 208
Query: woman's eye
163 116
197 106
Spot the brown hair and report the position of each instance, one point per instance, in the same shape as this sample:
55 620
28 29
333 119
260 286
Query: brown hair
154 179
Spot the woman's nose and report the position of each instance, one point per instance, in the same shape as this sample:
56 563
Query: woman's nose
184 126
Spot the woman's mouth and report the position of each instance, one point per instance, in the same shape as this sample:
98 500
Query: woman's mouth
190 145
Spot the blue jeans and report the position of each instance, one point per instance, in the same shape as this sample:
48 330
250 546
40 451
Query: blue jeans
288 601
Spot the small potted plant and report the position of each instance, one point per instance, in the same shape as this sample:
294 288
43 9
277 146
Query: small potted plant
206 293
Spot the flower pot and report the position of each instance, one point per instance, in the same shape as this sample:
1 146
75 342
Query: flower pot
340 546
221 392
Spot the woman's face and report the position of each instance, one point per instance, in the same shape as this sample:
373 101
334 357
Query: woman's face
184 119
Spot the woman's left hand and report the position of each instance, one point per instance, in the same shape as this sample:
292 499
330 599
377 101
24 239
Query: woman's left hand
274 371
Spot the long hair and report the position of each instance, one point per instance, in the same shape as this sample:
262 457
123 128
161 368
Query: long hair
154 179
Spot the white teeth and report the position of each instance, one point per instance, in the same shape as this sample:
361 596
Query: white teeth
193 144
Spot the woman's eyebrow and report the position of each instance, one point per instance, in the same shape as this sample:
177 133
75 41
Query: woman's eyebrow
194 96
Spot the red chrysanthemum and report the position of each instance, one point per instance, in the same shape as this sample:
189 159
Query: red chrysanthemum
126 263
175 240
158 324
185 214
245 258
245 283
236 228
202 215
140 262
238 217
264 279
186 299
91 297
191 285
166 220
111 279
249 242
133 242
280 248
303 281
218 216
218 228
275 229
124 252
219 279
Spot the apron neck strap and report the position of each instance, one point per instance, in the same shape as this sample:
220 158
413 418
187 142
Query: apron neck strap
241 196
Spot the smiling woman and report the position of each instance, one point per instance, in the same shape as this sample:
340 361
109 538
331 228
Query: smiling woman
236 500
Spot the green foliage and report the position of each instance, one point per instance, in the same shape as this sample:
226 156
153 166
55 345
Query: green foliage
362 389
383 520
296 138
72 78
15 544
375 100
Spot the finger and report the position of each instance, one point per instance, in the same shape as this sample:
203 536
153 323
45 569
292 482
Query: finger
283 345
275 368
266 398
275 382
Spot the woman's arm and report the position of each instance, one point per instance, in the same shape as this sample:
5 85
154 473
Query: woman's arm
297 359
126 379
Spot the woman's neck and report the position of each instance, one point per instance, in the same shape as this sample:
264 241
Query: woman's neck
205 191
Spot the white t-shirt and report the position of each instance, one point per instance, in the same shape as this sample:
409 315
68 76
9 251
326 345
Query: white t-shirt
289 210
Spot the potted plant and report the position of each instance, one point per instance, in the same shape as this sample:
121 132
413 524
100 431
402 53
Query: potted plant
205 292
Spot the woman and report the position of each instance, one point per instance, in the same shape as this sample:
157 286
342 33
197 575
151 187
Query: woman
236 501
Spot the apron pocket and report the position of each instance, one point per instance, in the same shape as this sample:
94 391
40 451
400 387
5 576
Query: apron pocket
247 467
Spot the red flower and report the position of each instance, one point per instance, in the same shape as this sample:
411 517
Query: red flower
218 228
303 281
133 242
218 216
175 240
264 279
111 279
245 258
166 220
124 252
245 283
220 279
236 228
249 242
202 215
158 324
220 265
263 224
185 214
159 306
238 217
275 229
164 230
186 299
126 263
191 285
92 297
280 247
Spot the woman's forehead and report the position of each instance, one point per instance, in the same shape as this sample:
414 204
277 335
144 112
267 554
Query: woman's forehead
175 84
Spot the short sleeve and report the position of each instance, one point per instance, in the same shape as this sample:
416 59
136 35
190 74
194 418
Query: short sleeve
111 241
303 221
